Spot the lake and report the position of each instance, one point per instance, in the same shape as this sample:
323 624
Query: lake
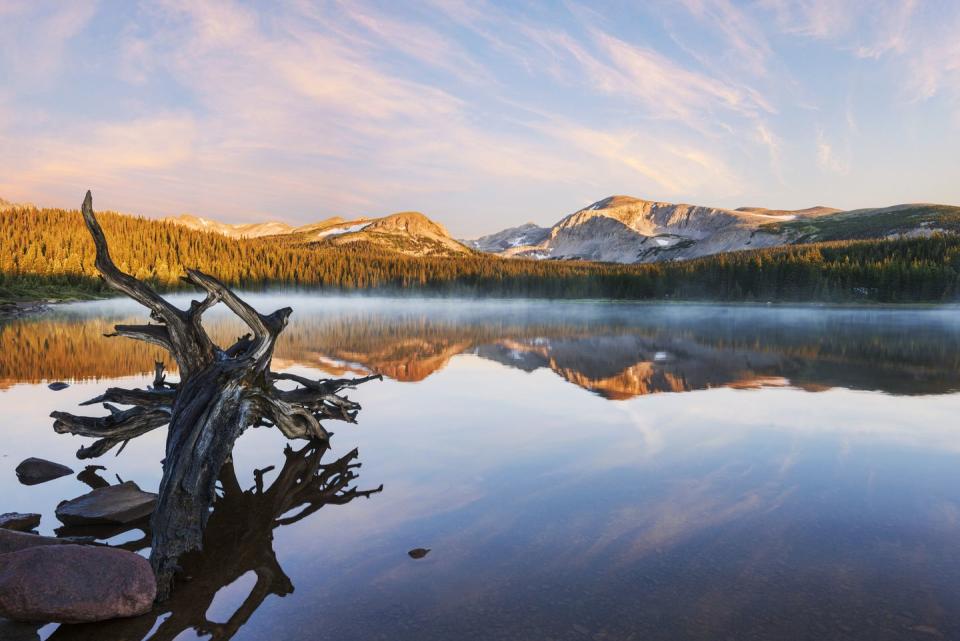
578 470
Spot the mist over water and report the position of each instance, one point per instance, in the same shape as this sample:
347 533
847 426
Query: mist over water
894 350
579 470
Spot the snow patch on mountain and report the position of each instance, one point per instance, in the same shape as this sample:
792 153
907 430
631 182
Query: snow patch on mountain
514 237
331 232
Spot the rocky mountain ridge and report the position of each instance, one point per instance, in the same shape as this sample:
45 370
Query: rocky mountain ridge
239 230
624 229
407 232
619 228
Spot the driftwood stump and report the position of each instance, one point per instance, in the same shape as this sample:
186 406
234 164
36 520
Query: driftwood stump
221 392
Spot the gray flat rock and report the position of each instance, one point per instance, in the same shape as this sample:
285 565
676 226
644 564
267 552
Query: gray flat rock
19 522
123 503
37 470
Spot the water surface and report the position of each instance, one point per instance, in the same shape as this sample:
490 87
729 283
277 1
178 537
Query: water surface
578 470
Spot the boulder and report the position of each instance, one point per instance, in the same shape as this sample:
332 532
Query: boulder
74 584
59 385
11 541
36 470
123 503
18 521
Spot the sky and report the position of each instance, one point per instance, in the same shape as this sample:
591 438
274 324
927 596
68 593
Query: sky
480 114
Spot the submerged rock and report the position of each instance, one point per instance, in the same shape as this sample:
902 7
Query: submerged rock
74 584
11 541
32 471
59 385
123 503
418 553
18 521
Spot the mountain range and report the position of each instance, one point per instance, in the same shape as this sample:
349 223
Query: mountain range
618 229
407 232
623 229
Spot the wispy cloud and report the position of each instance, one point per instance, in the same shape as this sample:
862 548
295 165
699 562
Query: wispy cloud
933 66
827 157
413 40
815 18
654 165
869 29
743 35
644 77
917 40
33 40
312 96
309 109
891 31
769 140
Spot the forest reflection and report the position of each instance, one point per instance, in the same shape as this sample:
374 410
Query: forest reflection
616 353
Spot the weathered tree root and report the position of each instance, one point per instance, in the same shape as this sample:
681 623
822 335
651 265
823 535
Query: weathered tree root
221 392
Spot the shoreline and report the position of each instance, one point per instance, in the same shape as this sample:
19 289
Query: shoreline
18 309
10 310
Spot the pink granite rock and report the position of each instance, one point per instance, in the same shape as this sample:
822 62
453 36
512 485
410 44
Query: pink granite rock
74 584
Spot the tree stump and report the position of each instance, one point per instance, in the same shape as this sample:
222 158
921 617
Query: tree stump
221 392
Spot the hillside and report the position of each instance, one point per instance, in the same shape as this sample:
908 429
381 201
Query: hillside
624 229
409 233
916 220
46 253
244 230
6 204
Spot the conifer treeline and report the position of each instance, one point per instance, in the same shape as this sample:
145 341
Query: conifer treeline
49 251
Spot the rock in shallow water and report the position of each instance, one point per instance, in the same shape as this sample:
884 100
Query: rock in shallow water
37 470
59 385
74 584
18 521
124 503
11 541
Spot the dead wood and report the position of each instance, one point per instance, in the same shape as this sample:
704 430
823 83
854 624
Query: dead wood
221 392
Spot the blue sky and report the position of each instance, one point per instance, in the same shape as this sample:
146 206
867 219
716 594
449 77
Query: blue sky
480 114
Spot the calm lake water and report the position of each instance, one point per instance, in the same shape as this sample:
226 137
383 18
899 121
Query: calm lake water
578 471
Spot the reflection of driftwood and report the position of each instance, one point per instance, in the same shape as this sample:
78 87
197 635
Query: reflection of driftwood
239 539
221 392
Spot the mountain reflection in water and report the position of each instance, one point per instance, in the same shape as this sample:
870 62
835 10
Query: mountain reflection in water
616 351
